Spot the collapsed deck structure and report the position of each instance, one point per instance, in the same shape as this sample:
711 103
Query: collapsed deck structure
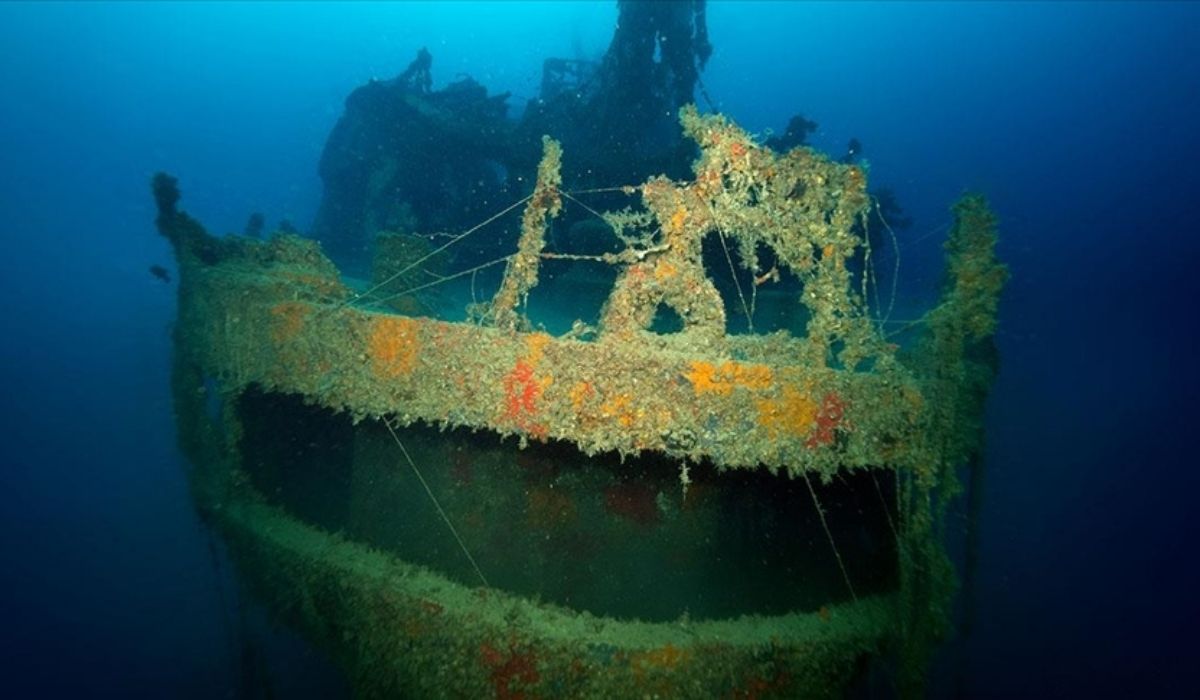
686 514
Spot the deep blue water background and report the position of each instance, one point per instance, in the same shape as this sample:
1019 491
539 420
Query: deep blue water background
1078 120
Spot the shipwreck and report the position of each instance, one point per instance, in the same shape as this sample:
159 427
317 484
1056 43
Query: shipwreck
641 503
693 513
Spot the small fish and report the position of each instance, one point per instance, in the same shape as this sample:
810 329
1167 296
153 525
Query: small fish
161 273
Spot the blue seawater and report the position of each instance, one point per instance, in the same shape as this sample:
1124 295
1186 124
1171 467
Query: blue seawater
1079 120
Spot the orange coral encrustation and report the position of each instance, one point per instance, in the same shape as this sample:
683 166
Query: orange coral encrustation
394 346
287 320
721 379
792 413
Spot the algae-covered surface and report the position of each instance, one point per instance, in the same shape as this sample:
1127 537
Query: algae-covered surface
835 398
675 514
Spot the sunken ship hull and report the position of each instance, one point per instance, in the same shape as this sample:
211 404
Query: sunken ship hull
479 509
